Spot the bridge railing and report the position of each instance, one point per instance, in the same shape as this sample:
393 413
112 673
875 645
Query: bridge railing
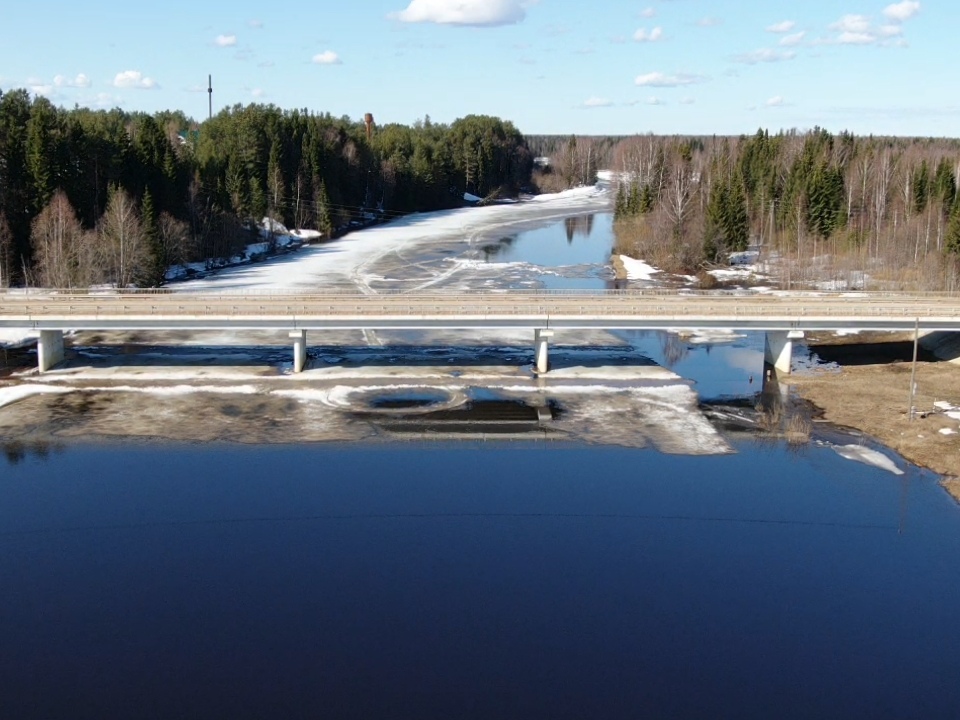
13 293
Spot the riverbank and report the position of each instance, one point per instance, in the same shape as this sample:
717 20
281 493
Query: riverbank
874 399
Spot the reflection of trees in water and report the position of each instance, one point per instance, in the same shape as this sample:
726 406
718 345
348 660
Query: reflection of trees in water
581 225
674 348
494 249
17 451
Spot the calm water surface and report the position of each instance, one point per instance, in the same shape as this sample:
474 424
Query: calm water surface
480 581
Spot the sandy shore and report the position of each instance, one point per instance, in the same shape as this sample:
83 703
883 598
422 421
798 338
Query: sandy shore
874 399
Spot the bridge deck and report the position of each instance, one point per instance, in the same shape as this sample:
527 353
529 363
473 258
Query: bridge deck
610 310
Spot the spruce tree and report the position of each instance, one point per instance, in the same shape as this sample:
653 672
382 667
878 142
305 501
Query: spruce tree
324 219
155 269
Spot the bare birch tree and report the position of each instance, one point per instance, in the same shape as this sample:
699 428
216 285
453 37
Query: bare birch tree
124 251
60 256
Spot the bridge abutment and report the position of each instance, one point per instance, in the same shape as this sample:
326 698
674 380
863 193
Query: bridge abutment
299 338
49 349
541 343
778 349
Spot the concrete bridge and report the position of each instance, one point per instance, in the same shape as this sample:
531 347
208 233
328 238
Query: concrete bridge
784 317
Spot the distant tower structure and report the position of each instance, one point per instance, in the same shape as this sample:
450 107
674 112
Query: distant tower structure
368 121
210 94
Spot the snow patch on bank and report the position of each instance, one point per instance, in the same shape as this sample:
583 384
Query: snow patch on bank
638 269
15 337
15 393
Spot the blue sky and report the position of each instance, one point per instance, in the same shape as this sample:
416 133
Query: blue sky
551 66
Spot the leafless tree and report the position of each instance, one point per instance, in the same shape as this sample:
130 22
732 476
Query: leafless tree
60 246
175 240
125 255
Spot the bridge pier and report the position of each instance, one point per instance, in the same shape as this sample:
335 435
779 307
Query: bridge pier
541 340
778 349
299 350
49 349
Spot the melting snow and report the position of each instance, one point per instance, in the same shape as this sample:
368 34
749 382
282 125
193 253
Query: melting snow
638 269
15 393
867 456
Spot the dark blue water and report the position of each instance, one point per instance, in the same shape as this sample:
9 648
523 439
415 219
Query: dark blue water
477 581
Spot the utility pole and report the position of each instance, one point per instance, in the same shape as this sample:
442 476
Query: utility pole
913 372
210 94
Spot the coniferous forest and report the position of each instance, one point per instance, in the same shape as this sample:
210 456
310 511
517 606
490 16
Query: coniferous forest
859 211
113 197
93 196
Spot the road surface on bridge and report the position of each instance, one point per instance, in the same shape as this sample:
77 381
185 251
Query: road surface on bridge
38 310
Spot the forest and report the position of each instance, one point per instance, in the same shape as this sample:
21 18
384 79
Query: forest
838 210
96 196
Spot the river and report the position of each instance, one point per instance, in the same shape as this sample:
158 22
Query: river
611 541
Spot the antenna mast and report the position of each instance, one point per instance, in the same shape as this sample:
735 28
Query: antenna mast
210 94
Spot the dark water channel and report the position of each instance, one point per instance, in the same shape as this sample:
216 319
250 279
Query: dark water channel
576 252
471 580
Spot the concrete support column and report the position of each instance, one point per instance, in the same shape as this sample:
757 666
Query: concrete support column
778 349
49 349
299 350
541 340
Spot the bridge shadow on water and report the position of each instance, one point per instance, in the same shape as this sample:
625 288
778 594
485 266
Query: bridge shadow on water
348 356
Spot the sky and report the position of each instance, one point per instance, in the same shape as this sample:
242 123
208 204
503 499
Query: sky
550 66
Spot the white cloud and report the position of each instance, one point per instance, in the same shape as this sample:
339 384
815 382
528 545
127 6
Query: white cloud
134 79
327 57
256 24
793 39
644 35
596 102
659 79
782 27
482 13
856 24
653 100
775 101
80 81
764 55
258 92
856 38
225 40
860 30
687 101
709 22
42 89
902 11
648 12
106 100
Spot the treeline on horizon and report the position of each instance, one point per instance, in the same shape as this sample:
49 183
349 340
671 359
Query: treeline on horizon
107 196
838 209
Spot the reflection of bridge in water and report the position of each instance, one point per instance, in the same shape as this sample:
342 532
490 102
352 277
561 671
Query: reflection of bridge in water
784 318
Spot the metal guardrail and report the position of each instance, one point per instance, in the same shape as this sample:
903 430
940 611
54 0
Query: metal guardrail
441 293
